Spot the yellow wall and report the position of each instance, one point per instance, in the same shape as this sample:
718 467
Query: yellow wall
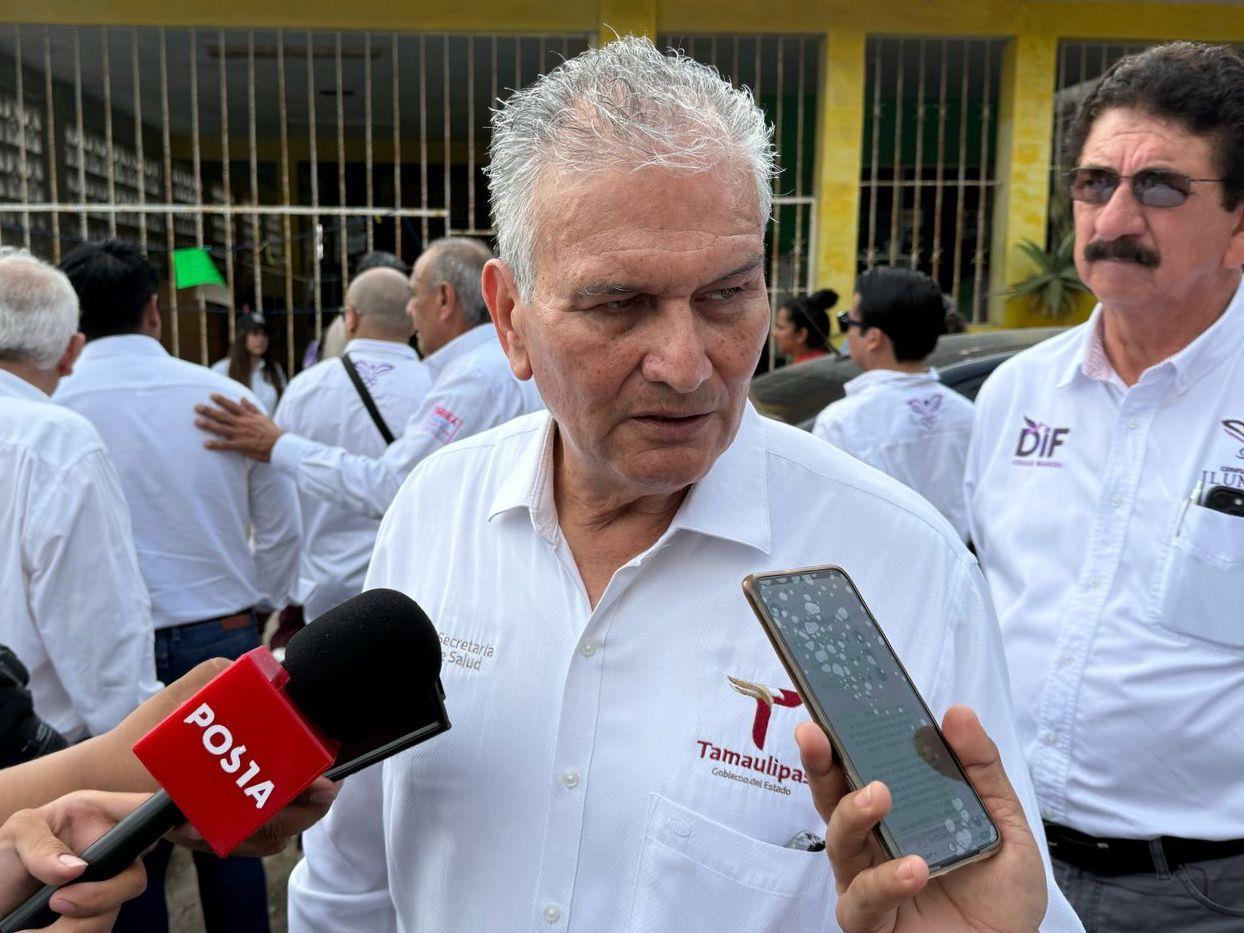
1026 106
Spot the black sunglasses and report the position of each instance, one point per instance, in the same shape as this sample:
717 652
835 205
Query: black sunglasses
1152 187
845 323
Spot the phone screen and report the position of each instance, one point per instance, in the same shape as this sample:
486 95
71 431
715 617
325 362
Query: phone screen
878 719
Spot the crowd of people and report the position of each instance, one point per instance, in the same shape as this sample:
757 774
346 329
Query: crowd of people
569 477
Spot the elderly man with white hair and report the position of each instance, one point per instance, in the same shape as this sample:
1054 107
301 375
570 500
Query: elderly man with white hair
584 565
73 605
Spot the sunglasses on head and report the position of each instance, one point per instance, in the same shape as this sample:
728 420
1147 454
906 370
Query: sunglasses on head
1152 187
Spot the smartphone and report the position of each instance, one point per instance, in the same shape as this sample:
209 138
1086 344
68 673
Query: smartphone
1224 499
856 689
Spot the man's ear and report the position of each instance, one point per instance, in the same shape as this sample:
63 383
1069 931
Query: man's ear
446 299
152 322
1234 256
352 320
64 366
508 315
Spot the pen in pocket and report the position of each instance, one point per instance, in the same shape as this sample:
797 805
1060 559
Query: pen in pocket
1193 499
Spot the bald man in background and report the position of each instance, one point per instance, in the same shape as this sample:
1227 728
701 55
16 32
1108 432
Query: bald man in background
325 404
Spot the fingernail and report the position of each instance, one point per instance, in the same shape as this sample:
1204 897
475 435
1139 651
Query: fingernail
905 871
70 861
864 797
62 904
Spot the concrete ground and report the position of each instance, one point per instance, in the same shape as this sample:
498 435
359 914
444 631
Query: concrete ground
185 916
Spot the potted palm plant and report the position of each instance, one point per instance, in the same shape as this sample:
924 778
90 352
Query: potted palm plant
1054 288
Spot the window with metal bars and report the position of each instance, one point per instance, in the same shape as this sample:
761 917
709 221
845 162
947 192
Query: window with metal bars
782 72
286 154
929 158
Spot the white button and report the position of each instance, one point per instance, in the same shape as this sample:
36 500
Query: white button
552 913
1116 502
570 778
1067 660
680 827
1133 424
1094 582
1049 738
588 648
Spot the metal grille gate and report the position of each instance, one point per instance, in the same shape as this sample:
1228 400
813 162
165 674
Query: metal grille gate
286 154
930 131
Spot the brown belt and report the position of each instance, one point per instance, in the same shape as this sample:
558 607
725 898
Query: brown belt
236 621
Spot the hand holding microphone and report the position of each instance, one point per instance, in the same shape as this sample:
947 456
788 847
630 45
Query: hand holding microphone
358 685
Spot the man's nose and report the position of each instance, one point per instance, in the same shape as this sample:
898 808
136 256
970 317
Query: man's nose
1121 216
678 355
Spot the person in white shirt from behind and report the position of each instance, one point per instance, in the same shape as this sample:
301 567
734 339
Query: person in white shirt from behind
251 361
73 606
217 536
584 566
322 405
897 416
1120 592
472 390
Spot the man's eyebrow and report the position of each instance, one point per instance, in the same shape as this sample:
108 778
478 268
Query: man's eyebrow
608 287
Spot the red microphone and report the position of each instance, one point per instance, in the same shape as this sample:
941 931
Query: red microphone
358 684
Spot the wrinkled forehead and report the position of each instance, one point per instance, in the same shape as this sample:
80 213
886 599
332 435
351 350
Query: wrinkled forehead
659 227
1128 139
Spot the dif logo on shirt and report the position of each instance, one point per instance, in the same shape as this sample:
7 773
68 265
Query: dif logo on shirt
1038 443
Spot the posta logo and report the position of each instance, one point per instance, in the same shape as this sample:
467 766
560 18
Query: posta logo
1037 444
766 698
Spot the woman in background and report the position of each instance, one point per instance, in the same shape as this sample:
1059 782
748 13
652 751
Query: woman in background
801 330
250 363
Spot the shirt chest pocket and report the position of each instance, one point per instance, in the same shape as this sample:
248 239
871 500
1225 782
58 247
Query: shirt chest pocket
1199 592
698 875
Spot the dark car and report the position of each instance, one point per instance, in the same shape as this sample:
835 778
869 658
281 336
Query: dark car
797 394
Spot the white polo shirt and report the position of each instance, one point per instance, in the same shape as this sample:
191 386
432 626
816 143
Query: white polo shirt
322 405
1121 606
472 390
215 532
586 782
73 606
909 426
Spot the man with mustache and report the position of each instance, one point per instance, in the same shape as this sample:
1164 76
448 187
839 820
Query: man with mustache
1119 590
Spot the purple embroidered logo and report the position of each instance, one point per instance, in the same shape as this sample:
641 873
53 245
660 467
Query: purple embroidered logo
1235 430
370 372
1037 443
924 411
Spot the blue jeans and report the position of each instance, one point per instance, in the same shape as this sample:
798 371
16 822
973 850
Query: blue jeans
233 891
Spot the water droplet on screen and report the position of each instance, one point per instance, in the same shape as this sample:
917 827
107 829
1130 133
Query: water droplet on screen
842 614
964 838
950 826
957 803
783 596
827 669
811 628
812 608
839 670
821 656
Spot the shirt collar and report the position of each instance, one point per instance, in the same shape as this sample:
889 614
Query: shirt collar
875 377
122 345
460 346
731 502
1217 343
17 387
390 348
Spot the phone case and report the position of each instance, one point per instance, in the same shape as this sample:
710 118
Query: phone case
750 591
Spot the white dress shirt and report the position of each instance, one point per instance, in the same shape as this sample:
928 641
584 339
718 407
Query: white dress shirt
264 390
193 508
578 787
472 390
322 405
910 426
73 606
1121 605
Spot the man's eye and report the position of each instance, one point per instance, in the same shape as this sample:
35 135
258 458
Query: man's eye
723 294
621 304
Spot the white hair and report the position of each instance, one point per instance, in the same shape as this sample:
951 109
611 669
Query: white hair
38 309
624 105
460 261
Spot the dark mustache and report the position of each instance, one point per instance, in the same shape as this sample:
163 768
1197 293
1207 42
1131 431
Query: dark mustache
1123 249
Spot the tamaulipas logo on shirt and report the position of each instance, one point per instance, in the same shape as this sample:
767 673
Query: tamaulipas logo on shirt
759 766
1038 443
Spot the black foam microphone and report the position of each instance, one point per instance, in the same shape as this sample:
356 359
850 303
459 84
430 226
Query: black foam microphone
358 684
